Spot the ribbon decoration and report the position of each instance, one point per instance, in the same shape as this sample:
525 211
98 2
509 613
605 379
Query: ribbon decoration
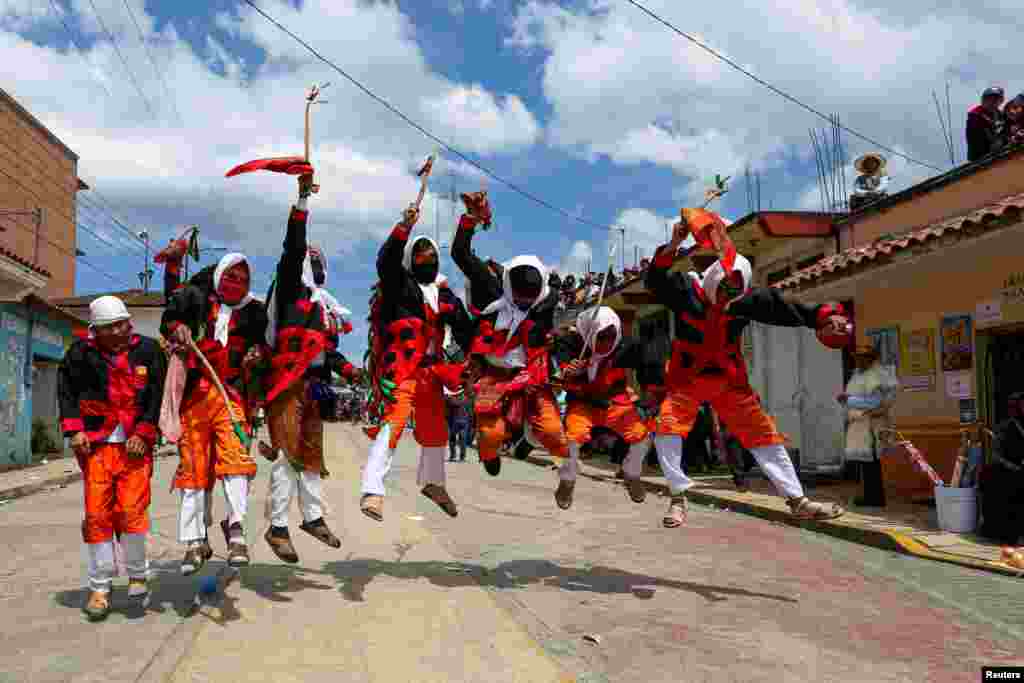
424 174
289 165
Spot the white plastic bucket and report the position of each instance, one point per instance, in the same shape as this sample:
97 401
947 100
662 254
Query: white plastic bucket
957 509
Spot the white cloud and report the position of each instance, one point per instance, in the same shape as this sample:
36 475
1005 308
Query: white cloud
157 170
624 86
580 256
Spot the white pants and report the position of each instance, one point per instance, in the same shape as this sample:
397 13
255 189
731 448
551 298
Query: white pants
196 512
633 465
378 466
670 456
570 468
103 563
284 481
776 464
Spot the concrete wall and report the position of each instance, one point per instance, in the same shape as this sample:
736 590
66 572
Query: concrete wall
49 341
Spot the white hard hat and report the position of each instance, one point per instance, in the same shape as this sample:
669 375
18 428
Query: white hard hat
107 310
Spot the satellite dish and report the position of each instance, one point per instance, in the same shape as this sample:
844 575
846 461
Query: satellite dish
870 164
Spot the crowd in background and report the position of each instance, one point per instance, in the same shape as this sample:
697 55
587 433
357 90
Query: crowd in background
994 124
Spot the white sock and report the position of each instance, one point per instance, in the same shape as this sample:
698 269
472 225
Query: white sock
192 522
633 465
570 468
101 565
236 495
311 495
670 456
282 483
431 467
135 562
379 463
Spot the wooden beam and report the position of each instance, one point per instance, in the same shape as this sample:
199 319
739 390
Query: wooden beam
639 299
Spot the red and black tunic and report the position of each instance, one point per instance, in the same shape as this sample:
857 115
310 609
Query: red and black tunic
486 287
406 324
97 391
197 305
303 329
611 383
707 339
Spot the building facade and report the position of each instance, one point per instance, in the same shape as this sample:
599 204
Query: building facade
146 308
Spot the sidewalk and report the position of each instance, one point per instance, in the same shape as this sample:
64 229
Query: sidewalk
56 473
900 527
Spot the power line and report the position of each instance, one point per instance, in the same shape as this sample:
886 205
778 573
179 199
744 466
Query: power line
102 239
529 195
152 61
78 48
776 90
110 212
101 271
131 75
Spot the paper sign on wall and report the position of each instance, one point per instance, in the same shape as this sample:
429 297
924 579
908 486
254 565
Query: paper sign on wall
988 312
959 385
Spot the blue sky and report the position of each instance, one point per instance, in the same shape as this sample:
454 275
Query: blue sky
588 104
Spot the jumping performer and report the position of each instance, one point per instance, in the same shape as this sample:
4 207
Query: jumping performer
712 310
110 387
510 355
409 317
302 331
599 395
215 311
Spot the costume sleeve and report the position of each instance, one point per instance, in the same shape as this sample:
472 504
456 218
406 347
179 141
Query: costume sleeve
389 260
673 290
481 280
153 393
336 362
172 278
767 305
67 393
568 347
182 308
631 354
289 287
463 326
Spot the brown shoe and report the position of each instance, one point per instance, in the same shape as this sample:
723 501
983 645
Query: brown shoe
97 608
281 544
238 551
563 494
440 496
637 490
677 511
318 529
195 557
373 506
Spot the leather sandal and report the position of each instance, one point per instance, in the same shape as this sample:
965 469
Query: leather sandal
373 506
440 496
318 529
563 494
803 508
636 489
281 546
678 509
97 608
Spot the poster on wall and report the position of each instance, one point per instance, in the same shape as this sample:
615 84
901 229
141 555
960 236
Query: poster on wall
917 360
988 313
968 411
959 385
887 341
957 343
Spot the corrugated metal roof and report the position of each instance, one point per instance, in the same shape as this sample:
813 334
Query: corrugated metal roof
884 247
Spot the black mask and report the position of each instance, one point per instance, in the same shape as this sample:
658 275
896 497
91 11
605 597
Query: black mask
319 276
425 273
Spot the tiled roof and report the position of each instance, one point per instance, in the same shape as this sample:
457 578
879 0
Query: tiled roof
884 247
25 262
131 297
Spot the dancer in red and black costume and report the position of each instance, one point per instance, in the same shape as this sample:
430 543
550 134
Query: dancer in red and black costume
110 385
595 360
510 354
215 310
415 305
302 334
712 309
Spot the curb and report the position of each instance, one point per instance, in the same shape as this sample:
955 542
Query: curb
885 540
37 486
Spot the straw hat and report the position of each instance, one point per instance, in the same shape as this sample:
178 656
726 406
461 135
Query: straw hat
865 163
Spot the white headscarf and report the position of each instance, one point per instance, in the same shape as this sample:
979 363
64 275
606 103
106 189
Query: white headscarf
509 315
431 291
590 326
221 327
713 276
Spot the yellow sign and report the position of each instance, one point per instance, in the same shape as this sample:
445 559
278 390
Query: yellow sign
1012 299
917 360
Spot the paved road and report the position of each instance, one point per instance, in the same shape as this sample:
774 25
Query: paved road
506 592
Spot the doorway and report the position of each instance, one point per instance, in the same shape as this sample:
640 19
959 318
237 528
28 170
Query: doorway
1004 367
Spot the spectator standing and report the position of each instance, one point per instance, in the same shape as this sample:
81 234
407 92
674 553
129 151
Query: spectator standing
1014 114
985 125
1002 484
458 423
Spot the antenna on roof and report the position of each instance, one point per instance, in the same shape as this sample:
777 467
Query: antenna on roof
944 125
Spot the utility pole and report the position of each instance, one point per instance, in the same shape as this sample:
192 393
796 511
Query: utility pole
146 276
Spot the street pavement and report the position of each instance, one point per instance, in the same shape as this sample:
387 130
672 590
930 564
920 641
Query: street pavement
513 589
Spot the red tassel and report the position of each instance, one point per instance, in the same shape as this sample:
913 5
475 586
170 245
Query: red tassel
289 165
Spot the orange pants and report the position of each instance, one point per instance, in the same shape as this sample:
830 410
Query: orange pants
209 447
420 396
117 492
621 419
296 426
542 415
737 406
